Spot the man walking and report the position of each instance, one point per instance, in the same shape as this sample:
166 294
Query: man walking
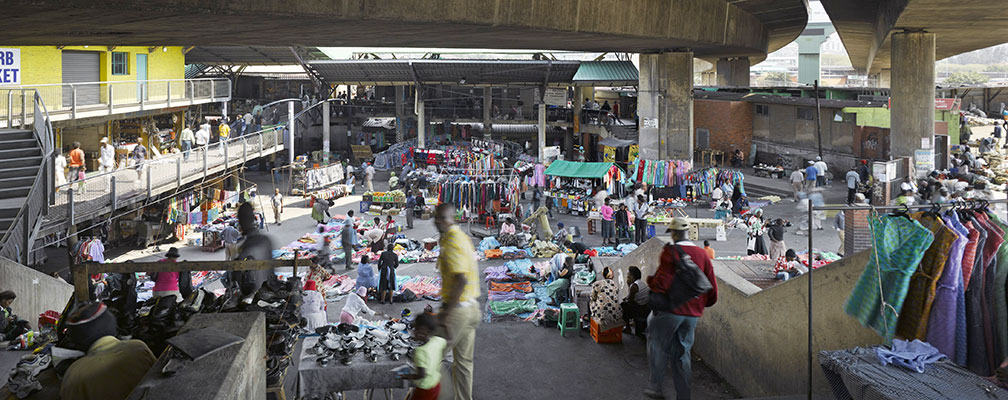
277 201
369 172
346 239
230 236
797 178
838 224
853 179
460 313
821 169
641 209
224 130
811 175
670 331
186 139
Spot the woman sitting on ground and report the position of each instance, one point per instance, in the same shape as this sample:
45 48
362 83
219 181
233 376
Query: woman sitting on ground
366 275
314 307
355 304
604 305
507 236
635 306
318 274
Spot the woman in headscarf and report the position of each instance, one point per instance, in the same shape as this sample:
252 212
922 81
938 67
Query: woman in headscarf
314 306
366 275
604 305
755 243
355 304
318 274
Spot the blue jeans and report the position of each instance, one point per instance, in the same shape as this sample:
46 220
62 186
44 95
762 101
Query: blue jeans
669 338
186 147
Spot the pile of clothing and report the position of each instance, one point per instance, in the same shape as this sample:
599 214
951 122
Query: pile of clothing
609 251
427 287
543 249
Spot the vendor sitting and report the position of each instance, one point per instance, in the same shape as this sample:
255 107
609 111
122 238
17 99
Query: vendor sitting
10 325
366 277
111 368
356 303
635 305
507 236
788 266
737 160
559 288
561 235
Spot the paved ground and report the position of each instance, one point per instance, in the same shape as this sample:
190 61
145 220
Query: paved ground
518 359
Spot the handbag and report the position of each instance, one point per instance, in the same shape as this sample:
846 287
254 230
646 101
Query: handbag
688 283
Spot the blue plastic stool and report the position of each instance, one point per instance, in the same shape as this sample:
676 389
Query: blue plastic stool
570 318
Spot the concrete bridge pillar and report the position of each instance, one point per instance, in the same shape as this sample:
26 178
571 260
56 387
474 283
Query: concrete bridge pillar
487 112
913 92
400 113
733 72
665 105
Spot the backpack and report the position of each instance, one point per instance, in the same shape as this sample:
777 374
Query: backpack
688 283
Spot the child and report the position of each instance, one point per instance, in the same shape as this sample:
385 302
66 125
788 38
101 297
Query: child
788 266
708 249
427 358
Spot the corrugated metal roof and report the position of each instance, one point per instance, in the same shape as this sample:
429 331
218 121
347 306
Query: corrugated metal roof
613 72
247 55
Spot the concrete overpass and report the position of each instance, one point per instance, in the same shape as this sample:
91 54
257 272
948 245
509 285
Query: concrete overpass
899 40
669 34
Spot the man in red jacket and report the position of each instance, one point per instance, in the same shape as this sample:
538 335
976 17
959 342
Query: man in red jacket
670 332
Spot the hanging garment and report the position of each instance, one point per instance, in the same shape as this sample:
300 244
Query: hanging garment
998 299
941 328
976 349
994 242
913 317
898 244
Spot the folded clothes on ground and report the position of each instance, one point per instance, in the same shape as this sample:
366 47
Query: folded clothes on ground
504 296
497 273
511 287
512 306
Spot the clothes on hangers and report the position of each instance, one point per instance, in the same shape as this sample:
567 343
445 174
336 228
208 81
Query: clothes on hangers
88 250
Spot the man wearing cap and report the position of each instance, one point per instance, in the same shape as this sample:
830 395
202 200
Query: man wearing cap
811 174
112 367
670 332
821 169
106 156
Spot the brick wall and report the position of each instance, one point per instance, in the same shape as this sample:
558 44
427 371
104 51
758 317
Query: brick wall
729 123
857 236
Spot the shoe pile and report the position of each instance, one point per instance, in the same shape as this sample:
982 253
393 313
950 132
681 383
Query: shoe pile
344 341
23 378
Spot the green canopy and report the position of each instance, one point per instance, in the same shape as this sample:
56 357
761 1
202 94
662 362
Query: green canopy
571 169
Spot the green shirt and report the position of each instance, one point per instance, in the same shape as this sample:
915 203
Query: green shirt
110 370
429 358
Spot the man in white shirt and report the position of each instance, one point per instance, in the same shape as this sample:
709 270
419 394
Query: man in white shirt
853 179
106 156
202 137
797 182
640 209
821 168
186 139
369 172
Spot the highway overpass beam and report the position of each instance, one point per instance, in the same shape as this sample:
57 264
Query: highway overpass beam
665 105
325 131
913 91
733 72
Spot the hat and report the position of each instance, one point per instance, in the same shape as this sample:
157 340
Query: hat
104 140
817 158
309 285
86 313
362 291
678 224
810 162
172 253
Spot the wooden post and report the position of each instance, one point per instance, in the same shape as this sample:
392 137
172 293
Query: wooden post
295 262
81 279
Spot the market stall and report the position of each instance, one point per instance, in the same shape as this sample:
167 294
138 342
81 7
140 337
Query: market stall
570 184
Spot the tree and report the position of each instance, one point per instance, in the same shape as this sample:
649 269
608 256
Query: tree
996 68
966 78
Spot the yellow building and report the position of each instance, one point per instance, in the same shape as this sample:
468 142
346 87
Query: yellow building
126 93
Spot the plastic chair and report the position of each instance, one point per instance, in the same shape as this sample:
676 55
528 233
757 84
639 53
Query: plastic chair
570 318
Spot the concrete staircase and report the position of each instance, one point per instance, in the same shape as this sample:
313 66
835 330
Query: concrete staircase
624 132
20 159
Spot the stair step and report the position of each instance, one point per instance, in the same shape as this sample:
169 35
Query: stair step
17 172
18 144
5 224
9 212
9 192
17 181
23 152
15 134
34 161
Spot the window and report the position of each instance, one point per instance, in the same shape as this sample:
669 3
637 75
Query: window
120 64
806 113
763 110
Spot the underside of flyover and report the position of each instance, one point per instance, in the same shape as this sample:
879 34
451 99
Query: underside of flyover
711 28
866 26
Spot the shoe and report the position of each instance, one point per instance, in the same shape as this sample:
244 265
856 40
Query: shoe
653 394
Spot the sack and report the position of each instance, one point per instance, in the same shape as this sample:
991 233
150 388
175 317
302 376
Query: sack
80 174
688 283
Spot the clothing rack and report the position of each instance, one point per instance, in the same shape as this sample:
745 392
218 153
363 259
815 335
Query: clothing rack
962 204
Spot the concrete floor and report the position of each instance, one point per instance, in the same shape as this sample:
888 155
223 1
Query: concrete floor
518 359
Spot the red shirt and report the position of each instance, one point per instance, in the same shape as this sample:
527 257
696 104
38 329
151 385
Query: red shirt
660 281
76 158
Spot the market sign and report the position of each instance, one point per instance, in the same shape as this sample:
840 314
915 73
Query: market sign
555 96
10 66
649 122
923 162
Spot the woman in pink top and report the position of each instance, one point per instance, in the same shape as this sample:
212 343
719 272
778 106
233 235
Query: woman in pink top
507 237
167 283
607 222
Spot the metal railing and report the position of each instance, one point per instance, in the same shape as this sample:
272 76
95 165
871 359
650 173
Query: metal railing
92 99
104 192
18 241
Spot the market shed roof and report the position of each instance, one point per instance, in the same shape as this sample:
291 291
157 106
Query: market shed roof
607 73
477 72
571 169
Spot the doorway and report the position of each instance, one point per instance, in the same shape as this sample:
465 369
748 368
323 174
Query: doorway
141 67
